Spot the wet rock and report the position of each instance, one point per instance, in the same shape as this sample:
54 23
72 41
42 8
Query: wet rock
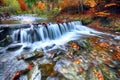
108 73
52 78
70 70
57 52
3 60
1 51
14 26
49 47
1 65
95 74
47 69
44 60
5 39
14 47
30 56
27 48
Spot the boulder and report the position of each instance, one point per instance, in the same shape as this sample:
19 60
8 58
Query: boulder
6 40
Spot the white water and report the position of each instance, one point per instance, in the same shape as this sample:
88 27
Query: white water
36 75
58 34
51 32
27 19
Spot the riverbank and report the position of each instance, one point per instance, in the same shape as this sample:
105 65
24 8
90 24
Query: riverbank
105 18
108 24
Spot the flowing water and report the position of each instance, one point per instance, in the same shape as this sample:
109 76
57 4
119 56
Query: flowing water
53 33
39 37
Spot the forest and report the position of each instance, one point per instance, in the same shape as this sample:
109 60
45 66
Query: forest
84 10
60 39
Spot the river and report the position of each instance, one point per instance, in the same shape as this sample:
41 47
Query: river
46 37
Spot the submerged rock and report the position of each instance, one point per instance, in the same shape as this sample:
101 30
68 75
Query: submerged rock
70 70
52 78
14 47
27 48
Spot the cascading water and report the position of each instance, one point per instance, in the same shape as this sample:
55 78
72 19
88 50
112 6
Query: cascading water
48 32
40 36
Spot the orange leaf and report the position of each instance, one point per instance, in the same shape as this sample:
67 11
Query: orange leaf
104 13
77 61
104 44
41 5
110 4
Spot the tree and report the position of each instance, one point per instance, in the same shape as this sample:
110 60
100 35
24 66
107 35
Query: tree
11 7
23 5
80 6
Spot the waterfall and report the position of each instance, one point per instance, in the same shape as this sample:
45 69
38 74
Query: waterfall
49 32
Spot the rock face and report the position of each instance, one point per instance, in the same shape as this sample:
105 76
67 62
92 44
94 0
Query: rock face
3 33
6 30
5 37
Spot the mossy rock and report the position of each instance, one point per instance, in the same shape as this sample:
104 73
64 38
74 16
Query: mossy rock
87 21
78 19
117 28
47 70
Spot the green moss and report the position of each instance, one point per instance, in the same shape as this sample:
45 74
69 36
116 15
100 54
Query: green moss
47 69
117 27
87 20
78 19
42 15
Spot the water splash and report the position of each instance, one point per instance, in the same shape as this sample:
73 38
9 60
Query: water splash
51 32
58 34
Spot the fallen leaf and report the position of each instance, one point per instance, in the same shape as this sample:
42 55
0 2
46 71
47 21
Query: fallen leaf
110 4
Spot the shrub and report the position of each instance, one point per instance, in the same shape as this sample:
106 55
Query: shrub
87 20
12 7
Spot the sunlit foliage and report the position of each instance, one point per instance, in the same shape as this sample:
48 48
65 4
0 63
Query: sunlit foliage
12 7
22 5
41 5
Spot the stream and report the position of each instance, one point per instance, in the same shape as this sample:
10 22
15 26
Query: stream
68 50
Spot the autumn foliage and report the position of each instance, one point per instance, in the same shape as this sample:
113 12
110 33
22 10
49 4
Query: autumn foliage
2 2
23 5
66 3
41 5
